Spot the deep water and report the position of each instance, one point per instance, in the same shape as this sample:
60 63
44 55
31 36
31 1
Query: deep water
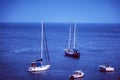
20 44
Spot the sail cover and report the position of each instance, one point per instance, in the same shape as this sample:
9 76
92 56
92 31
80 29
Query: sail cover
38 64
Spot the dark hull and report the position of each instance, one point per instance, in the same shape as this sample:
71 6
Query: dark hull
74 55
102 70
79 78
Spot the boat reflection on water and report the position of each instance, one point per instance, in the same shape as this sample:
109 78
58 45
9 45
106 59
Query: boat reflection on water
39 72
77 79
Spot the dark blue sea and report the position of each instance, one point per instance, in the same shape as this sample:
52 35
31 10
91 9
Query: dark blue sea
20 45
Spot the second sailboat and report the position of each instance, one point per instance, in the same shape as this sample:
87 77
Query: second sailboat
72 51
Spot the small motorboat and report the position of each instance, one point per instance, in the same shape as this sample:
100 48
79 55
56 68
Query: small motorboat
76 75
106 68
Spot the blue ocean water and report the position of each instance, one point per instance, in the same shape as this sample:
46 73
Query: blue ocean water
20 44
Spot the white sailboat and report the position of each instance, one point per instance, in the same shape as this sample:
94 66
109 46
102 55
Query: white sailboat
43 63
71 50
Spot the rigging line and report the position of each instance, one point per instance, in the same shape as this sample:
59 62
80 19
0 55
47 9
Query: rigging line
45 53
69 37
46 50
41 56
74 34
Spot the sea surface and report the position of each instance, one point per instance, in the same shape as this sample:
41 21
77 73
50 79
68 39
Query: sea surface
20 45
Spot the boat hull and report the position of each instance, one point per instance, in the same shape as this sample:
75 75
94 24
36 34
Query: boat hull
74 55
106 69
40 68
76 76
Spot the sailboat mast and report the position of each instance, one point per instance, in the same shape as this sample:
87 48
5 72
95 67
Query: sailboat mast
74 34
41 40
69 38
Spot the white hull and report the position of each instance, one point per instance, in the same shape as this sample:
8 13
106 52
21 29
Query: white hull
106 69
40 68
70 51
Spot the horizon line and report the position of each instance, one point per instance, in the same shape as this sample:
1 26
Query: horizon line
68 22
